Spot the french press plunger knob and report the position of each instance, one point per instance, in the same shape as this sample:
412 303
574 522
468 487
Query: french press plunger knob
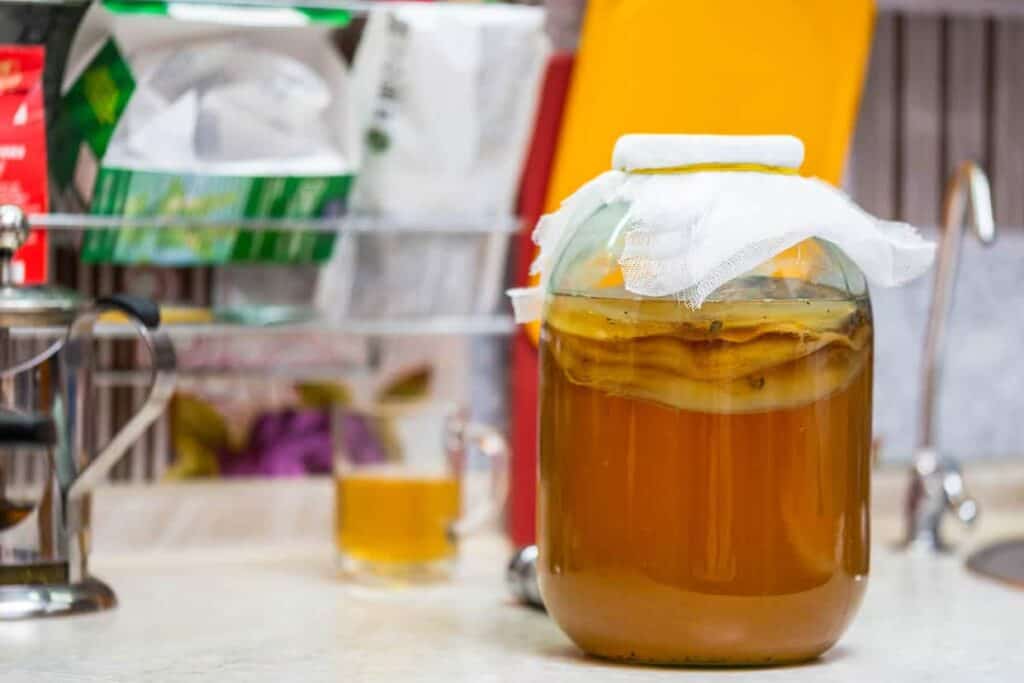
14 230
13 227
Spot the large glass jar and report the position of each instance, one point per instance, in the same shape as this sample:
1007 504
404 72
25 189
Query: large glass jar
704 476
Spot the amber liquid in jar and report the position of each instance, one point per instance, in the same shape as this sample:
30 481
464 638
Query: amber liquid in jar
704 481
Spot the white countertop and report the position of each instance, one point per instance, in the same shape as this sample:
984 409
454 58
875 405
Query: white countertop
268 608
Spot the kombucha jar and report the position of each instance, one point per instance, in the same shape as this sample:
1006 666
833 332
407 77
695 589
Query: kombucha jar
704 471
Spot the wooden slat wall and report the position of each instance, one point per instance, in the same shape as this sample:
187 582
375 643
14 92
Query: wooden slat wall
871 174
1008 123
920 80
997 8
940 89
965 102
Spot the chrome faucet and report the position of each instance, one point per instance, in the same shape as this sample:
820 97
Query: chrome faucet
936 483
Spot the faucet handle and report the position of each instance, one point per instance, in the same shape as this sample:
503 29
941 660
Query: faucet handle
958 500
936 489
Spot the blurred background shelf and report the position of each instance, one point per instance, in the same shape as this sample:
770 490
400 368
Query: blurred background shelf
387 277
191 377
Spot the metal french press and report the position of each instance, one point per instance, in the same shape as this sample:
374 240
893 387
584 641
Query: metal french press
47 409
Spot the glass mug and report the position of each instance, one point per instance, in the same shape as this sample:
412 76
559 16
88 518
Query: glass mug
400 476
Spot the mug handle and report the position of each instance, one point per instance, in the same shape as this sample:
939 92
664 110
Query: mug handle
144 315
492 444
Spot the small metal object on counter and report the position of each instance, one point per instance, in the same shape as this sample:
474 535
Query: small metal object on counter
936 484
47 404
522 577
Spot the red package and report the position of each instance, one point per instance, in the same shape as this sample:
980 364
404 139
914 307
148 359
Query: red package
532 194
23 176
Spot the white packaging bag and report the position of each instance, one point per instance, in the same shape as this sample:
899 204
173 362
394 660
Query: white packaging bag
445 97
221 90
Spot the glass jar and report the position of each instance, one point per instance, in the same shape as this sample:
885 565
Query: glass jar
704 473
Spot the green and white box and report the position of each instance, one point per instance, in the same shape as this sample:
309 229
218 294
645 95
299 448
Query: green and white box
207 112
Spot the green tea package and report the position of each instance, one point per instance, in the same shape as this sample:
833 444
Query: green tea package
206 112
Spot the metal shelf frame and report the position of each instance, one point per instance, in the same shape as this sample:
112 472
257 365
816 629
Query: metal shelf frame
352 223
64 227
478 325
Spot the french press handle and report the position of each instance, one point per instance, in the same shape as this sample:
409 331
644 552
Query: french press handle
142 310
144 316
27 430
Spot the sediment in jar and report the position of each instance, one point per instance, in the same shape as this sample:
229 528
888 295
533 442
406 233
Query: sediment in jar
726 357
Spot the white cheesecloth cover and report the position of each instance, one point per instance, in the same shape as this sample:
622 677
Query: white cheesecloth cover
688 233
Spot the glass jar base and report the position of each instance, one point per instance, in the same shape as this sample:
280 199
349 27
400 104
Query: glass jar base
32 601
368 572
698 662
721 660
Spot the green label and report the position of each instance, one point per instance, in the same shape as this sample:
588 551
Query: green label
325 15
136 7
90 110
134 194
313 15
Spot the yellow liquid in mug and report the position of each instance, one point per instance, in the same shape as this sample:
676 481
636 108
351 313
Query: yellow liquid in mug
390 517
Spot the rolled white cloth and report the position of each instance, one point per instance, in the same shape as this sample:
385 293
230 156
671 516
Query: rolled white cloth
687 234
637 151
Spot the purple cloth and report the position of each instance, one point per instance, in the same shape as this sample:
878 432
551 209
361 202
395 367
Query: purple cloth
294 443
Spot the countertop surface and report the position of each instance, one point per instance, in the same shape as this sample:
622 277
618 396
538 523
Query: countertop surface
267 606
